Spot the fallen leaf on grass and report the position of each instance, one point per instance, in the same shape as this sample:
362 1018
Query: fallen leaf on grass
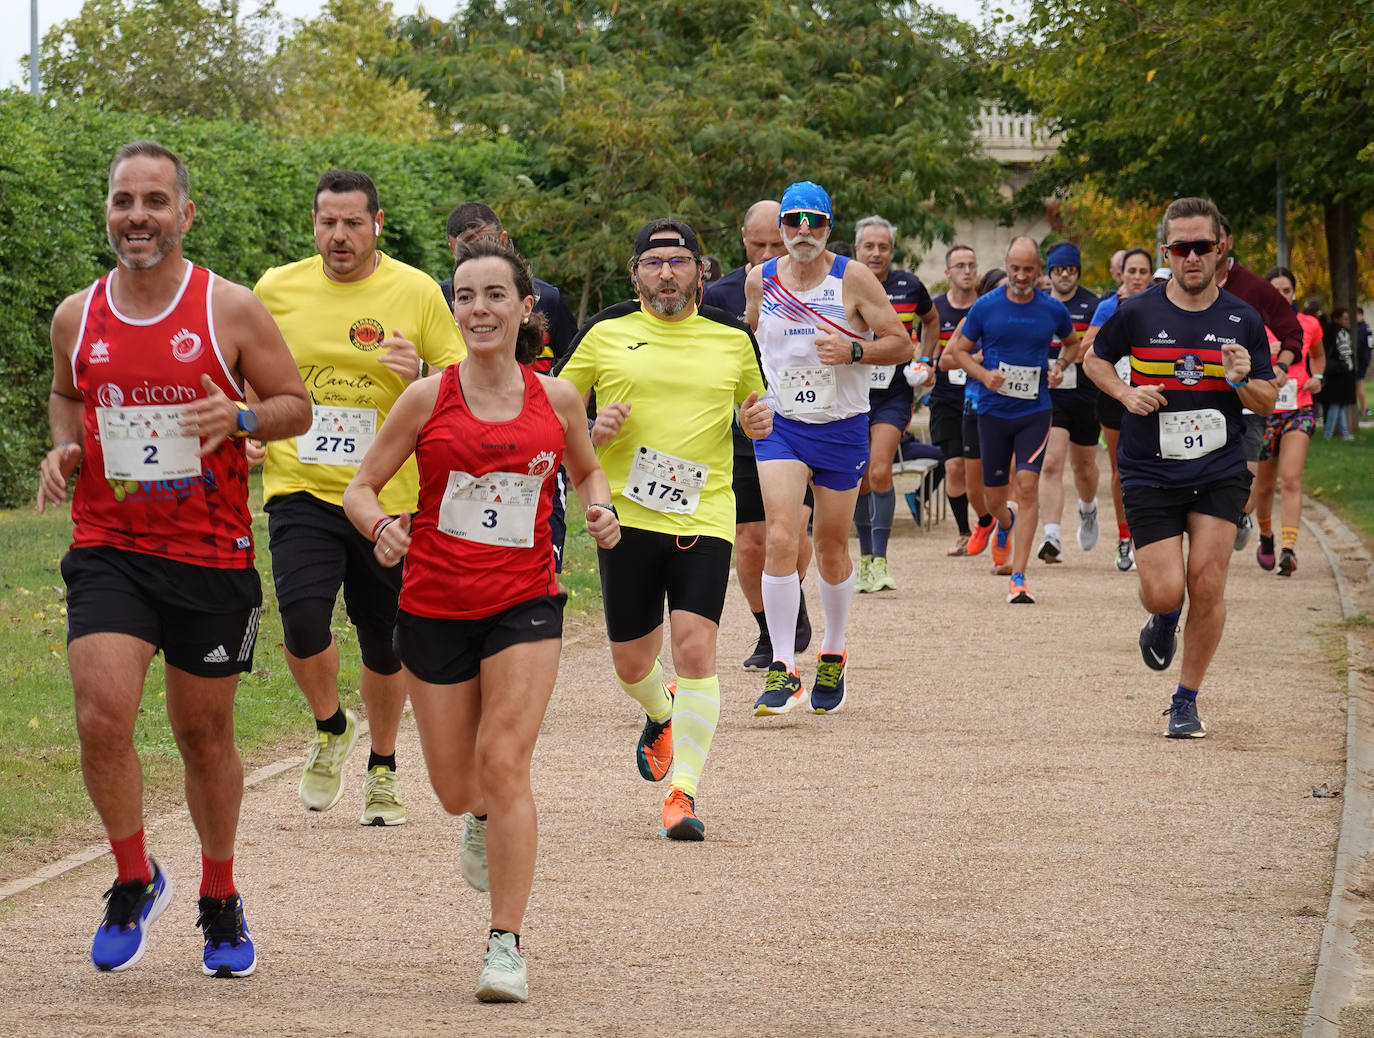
1325 791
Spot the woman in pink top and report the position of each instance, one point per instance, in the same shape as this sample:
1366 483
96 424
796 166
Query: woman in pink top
1287 433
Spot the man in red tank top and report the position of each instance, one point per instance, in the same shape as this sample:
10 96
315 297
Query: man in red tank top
151 369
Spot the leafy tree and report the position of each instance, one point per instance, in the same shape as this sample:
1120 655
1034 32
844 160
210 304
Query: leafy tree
1163 98
641 108
330 78
164 56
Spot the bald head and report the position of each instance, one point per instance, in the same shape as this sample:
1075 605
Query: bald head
760 232
1117 264
1023 267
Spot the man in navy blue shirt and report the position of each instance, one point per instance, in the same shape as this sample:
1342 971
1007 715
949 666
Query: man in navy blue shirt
1198 356
1014 327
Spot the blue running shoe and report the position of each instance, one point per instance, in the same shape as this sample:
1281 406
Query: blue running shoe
130 908
782 690
228 944
827 694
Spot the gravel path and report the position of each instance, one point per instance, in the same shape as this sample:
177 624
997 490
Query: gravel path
993 838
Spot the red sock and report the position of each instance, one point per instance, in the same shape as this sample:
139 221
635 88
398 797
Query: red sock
216 877
131 858
1123 532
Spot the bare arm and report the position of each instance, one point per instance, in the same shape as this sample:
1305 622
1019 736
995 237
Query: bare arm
961 349
395 443
65 408
753 296
593 489
867 306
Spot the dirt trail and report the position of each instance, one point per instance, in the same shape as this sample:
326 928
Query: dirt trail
992 838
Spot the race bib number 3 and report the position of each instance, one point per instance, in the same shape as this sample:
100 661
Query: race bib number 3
1190 434
1021 383
146 443
665 483
337 436
806 390
498 508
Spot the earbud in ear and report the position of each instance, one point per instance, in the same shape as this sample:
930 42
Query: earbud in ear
376 227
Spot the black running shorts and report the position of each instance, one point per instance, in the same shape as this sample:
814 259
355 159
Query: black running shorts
692 572
1158 513
448 652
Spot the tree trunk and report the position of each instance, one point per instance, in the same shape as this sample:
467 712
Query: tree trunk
1342 231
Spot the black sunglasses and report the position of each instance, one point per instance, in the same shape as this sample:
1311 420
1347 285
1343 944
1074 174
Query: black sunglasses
1182 249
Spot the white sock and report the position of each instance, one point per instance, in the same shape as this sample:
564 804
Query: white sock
835 600
1052 530
1086 508
781 602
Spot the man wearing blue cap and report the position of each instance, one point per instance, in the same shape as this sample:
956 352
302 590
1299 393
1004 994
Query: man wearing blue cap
1074 431
821 323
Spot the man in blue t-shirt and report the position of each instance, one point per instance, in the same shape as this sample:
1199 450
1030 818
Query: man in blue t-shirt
1198 356
1014 327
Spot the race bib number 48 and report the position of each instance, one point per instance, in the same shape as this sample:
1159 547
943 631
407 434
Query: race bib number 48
665 483
337 436
146 443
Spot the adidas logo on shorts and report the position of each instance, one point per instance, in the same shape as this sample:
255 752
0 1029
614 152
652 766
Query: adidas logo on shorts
217 655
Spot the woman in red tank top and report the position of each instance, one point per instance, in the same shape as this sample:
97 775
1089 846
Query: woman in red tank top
480 624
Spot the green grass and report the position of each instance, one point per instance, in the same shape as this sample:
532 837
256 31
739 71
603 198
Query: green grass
46 808
1341 475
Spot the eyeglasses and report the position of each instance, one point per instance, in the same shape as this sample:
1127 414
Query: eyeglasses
652 264
1064 270
1183 249
813 220
963 266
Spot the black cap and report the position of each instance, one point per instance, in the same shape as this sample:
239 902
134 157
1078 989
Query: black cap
657 233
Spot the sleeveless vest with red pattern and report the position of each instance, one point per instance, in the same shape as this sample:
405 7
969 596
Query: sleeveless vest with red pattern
200 519
448 577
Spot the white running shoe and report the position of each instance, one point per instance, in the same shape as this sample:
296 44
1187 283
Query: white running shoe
504 978
1088 531
472 859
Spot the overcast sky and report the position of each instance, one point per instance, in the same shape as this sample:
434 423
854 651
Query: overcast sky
14 41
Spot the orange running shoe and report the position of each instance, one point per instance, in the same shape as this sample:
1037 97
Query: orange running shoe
654 754
680 821
978 539
1001 540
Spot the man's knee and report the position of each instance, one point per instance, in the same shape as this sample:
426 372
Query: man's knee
305 626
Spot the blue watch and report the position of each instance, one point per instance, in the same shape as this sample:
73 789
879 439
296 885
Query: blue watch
248 420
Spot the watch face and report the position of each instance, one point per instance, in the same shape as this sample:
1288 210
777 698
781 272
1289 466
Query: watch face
248 419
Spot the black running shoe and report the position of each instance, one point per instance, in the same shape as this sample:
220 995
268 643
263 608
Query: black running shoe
1288 562
762 655
1157 643
1184 722
803 631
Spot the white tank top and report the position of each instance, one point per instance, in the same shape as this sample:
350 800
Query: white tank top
788 325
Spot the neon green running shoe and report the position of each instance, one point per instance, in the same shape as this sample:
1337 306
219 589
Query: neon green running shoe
472 859
322 781
382 798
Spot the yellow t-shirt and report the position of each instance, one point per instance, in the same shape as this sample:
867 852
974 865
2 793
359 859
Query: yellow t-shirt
334 330
682 380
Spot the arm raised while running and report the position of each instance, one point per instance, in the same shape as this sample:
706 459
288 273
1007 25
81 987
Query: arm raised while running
579 458
867 308
395 443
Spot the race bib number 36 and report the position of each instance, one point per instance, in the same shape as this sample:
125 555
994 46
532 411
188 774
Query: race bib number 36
337 436
146 443
498 508
880 377
806 390
665 483
1021 383
1190 434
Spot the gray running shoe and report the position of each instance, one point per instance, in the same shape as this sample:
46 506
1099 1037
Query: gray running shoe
504 978
1184 722
1088 531
1125 558
472 859
1244 529
1050 550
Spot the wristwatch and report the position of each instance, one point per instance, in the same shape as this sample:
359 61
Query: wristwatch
248 420
856 352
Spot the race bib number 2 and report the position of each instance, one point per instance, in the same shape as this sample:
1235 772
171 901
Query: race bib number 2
146 443
337 436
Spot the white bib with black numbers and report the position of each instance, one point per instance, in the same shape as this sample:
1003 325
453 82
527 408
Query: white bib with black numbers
806 390
665 483
146 443
880 377
498 508
1070 380
337 436
958 377
1021 383
1191 434
1288 396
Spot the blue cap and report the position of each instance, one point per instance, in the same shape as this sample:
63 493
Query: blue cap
1065 254
805 196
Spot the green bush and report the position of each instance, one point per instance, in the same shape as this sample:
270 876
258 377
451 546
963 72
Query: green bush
252 194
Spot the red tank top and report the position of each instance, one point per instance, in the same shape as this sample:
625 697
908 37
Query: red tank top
141 488
480 540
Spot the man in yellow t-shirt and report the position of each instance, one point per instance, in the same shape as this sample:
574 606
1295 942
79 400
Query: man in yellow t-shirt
358 323
668 378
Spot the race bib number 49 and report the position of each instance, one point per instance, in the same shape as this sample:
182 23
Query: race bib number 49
665 483
146 443
337 436
806 390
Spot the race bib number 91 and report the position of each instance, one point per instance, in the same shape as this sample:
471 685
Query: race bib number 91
1190 434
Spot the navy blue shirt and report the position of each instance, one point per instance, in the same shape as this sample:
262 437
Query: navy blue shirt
950 316
1180 351
727 292
1081 309
1017 334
